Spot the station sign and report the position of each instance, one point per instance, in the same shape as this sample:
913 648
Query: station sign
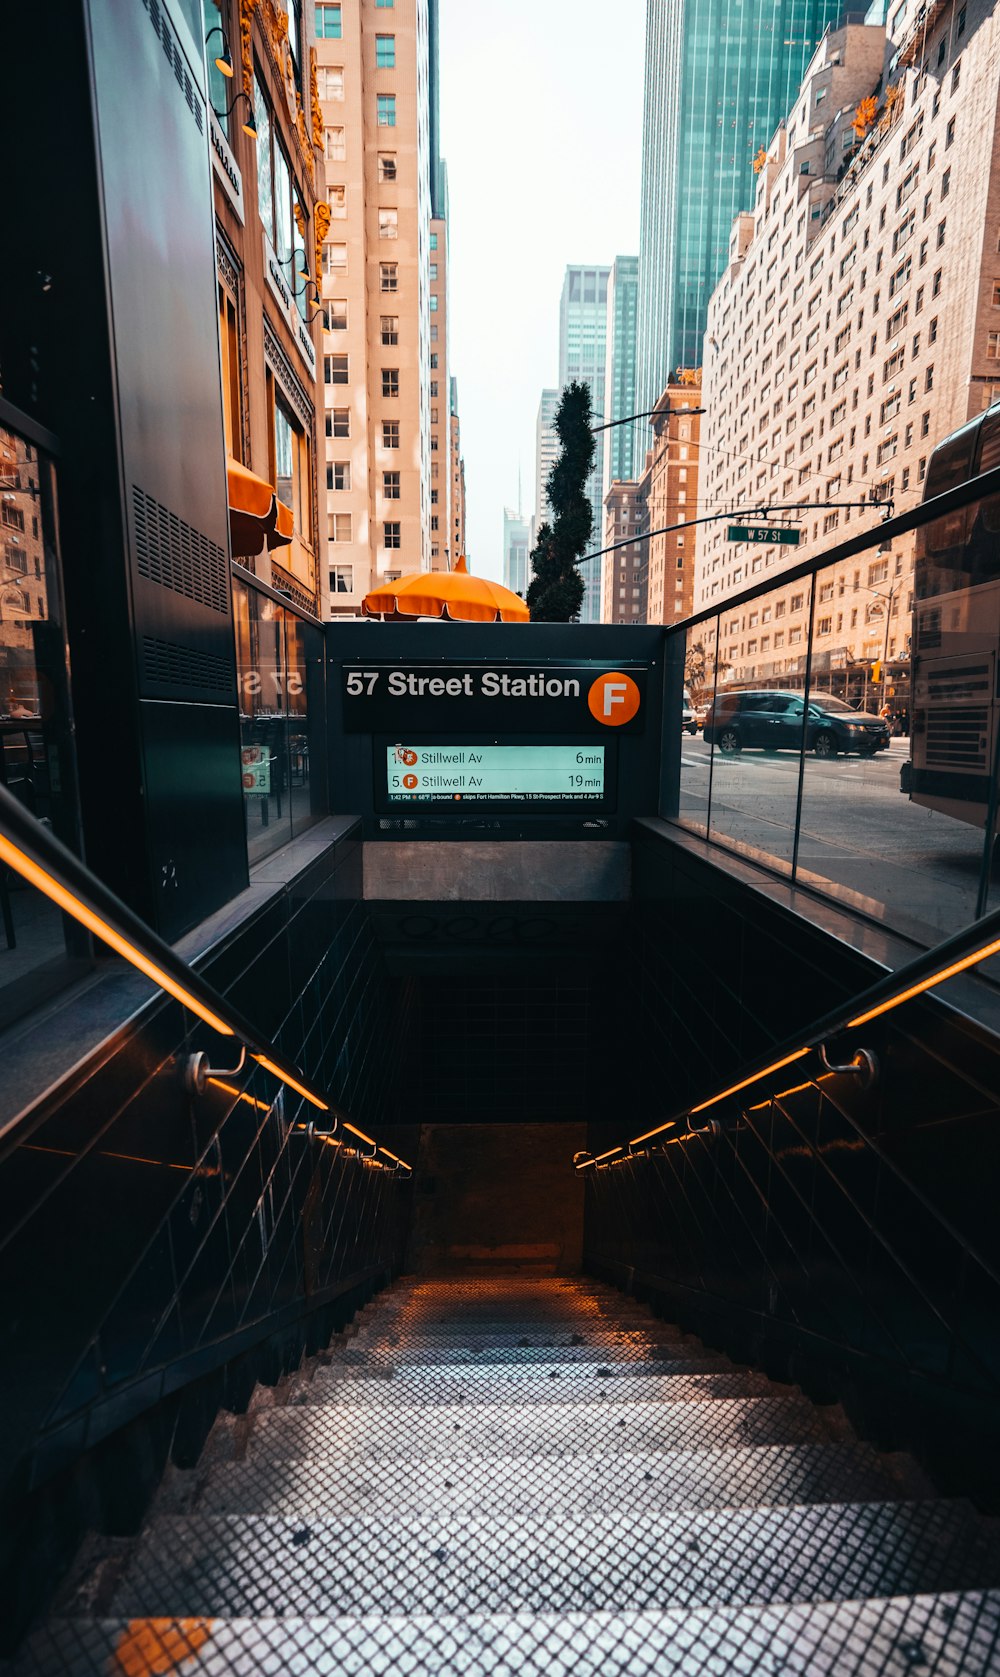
413 699
490 773
755 533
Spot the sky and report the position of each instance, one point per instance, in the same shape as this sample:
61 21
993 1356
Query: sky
541 128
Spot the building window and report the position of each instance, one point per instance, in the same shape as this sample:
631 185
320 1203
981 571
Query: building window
390 485
384 5
390 433
387 165
340 527
335 314
330 82
433 302
388 275
390 329
385 108
390 381
329 24
993 346
949 134
335 369
433 271
289 462
338 474
956 76
338 422
334 259
385 52
336 145
392 534
946 183
936 284
929 378
336 197
940 234
388 224
434 521
342 579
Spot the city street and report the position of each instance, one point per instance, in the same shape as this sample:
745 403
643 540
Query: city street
862 840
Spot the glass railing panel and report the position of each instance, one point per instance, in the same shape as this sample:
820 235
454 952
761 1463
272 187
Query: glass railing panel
261 674
754 726
904 859
700 661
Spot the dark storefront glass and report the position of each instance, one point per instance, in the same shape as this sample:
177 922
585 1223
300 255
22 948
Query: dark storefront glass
39 949
279 663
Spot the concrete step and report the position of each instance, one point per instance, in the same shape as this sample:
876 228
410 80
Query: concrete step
209 1565
956 1634
558 1383
354 1431
638 1485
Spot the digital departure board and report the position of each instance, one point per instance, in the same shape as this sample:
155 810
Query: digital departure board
495 773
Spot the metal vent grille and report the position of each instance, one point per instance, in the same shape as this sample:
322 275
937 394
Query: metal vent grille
956 738
178 556
168 664
957 683
175 58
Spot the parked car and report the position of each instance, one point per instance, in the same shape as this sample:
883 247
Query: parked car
773 721
688 723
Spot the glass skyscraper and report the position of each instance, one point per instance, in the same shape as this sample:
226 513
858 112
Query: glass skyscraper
516 546
583 325
720 76
625 446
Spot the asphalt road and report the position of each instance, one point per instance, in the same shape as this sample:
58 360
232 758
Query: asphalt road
862 840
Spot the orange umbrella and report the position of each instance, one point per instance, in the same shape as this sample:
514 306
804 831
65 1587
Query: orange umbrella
454 594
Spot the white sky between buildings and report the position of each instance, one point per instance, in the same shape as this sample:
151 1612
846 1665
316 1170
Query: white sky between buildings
541 128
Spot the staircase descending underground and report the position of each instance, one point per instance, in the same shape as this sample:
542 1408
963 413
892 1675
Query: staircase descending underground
534 1476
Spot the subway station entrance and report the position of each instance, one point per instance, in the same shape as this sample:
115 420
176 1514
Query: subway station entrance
517 1227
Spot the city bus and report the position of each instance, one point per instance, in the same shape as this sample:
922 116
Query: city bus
955 641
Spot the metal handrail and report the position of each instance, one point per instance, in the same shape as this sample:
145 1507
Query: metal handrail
951 500
955 954
39 857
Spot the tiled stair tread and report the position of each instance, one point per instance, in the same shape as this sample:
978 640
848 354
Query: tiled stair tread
558 1384
430 1356
533 1328
340 1370
507 1428
536 1476
949 1635
556 1487
243 1565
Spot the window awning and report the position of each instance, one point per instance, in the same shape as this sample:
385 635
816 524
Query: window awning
257 519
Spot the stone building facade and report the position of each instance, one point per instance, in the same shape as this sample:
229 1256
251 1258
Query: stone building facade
858 323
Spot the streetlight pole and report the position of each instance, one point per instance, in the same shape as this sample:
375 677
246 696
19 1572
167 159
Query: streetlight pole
887 599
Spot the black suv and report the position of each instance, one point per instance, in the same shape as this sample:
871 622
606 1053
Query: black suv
774 721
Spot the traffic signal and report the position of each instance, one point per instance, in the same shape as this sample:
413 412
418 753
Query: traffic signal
877 670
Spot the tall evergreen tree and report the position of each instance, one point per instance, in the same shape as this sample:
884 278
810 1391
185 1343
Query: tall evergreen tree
555 592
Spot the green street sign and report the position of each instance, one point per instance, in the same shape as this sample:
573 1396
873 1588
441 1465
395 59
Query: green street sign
763 533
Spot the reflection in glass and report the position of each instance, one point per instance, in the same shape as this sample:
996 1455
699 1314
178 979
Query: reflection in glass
278 740
39 950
